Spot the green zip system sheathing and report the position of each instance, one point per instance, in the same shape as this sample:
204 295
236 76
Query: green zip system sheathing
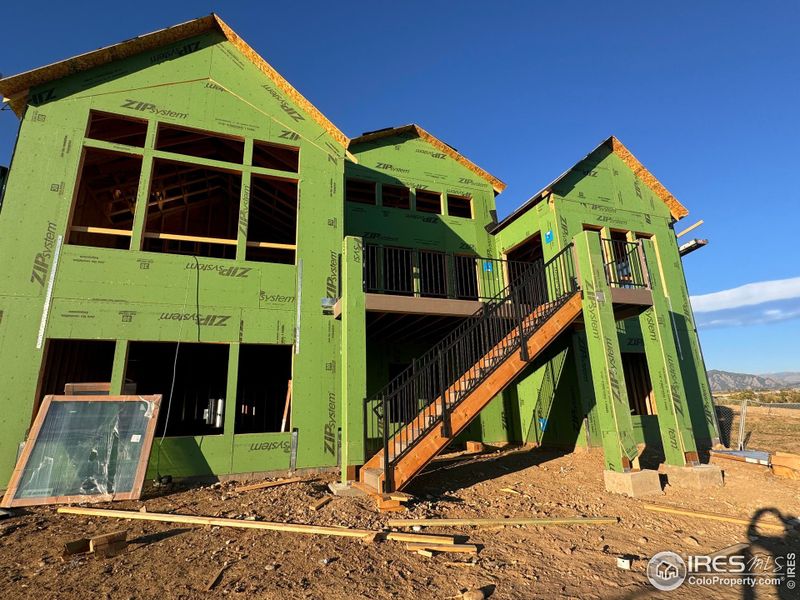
131 293
126 295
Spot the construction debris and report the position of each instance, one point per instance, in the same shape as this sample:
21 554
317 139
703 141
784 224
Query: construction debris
315 506
106 545
364 534
219 522
508 521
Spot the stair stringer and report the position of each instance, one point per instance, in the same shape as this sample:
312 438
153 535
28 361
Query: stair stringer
434 441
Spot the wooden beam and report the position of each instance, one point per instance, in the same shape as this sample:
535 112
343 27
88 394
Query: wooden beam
494 522
272 245
103 230
688 229
188 238
217 521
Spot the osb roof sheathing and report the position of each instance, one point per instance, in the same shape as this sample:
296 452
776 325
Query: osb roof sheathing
15 88
676 209
497 185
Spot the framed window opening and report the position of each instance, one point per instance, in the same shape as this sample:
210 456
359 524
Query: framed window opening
272 220
263 398
429 202
199 143
459 206
396 196
276 156
105 199
192 209
200 390
116 129
360 191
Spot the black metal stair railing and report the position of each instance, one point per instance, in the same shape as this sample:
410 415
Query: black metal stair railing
418 399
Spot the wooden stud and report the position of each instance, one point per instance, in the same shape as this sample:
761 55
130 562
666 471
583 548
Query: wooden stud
218 521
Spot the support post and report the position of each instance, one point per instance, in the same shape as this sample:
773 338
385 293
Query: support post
674 422
616 427
354 354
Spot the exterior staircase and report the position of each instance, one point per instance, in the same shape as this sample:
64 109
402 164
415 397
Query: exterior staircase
415 416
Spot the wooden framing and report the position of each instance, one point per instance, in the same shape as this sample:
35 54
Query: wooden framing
9 499
83 389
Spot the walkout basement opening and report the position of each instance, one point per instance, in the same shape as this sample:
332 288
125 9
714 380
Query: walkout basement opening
192 210
116 129
201 378
272 220
262 387
429 202
74 361
102 212
637 383
200 144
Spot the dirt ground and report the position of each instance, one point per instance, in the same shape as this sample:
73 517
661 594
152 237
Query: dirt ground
169 561
766 427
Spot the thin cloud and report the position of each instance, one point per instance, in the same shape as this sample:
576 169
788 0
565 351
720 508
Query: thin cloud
750 294
773 312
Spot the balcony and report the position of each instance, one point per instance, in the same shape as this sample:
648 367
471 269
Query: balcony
627 276
419 281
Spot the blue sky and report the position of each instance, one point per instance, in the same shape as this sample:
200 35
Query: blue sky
705 94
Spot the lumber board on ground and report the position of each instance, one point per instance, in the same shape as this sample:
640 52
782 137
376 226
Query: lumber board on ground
460 548
218 521
710 516
509 521
107 539
421 538
320 503
266 484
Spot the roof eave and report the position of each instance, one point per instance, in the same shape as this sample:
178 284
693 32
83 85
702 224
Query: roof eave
497 185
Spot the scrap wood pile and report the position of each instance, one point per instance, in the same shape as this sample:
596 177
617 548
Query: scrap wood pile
782 464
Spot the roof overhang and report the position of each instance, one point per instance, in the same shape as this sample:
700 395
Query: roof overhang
497 185
15 88
676 209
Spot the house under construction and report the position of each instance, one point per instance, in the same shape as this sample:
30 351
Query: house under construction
179 220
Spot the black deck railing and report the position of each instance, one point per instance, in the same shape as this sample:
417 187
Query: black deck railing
418 399
433 274
624 264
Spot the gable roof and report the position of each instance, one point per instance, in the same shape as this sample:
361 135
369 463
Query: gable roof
15 88
497 185
676 209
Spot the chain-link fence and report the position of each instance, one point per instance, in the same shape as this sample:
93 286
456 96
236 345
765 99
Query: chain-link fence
753 425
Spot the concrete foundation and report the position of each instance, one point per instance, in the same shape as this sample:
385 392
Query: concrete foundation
696 477
633 483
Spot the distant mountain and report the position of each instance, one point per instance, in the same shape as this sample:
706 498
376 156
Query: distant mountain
725 381
786 378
